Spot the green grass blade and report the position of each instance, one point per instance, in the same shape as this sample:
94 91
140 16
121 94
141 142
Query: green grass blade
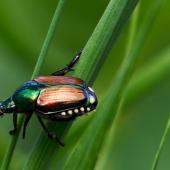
94 53
132 29
84 154
114 97
107 150
103 38
161 145
9 153
49 37
43 54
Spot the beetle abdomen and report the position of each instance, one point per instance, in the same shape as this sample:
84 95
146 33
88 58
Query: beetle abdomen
56 98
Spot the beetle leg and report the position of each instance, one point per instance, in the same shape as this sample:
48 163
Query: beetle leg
50 135
28 116
13 131
69 67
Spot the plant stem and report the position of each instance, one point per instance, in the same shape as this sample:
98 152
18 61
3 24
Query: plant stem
102 164
94 135
125 74
161 145
9 153
132 29
49 37
42 55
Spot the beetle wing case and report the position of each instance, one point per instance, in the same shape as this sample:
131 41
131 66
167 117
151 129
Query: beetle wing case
59 80
60 97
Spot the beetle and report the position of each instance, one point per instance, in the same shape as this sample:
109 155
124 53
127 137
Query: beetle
56 97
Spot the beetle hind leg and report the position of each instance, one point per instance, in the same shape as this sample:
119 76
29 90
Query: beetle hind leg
69 67
50 134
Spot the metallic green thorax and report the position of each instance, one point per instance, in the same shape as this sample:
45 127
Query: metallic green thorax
25 97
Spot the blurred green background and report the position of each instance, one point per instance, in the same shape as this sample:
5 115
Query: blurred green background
23 26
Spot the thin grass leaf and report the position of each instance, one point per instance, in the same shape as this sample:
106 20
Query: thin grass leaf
41 58
114 98
84 154
161 146
132 30
103 38
107 150
49 37
93 56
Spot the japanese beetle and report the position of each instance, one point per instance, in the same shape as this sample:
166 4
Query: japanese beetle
56 97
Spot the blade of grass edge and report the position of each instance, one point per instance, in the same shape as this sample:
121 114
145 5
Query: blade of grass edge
92 59
123 76
43 53
89 144
101 161
143 32
132 29
161 146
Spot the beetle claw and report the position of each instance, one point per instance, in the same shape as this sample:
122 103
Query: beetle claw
54 136
12 132
61 143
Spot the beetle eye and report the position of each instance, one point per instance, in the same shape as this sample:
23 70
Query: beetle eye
1 110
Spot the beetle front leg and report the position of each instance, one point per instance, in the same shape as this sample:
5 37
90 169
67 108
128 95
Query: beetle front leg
50 134
25 124
13 131
69 67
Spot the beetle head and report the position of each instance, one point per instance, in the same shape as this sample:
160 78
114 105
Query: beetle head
2 110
